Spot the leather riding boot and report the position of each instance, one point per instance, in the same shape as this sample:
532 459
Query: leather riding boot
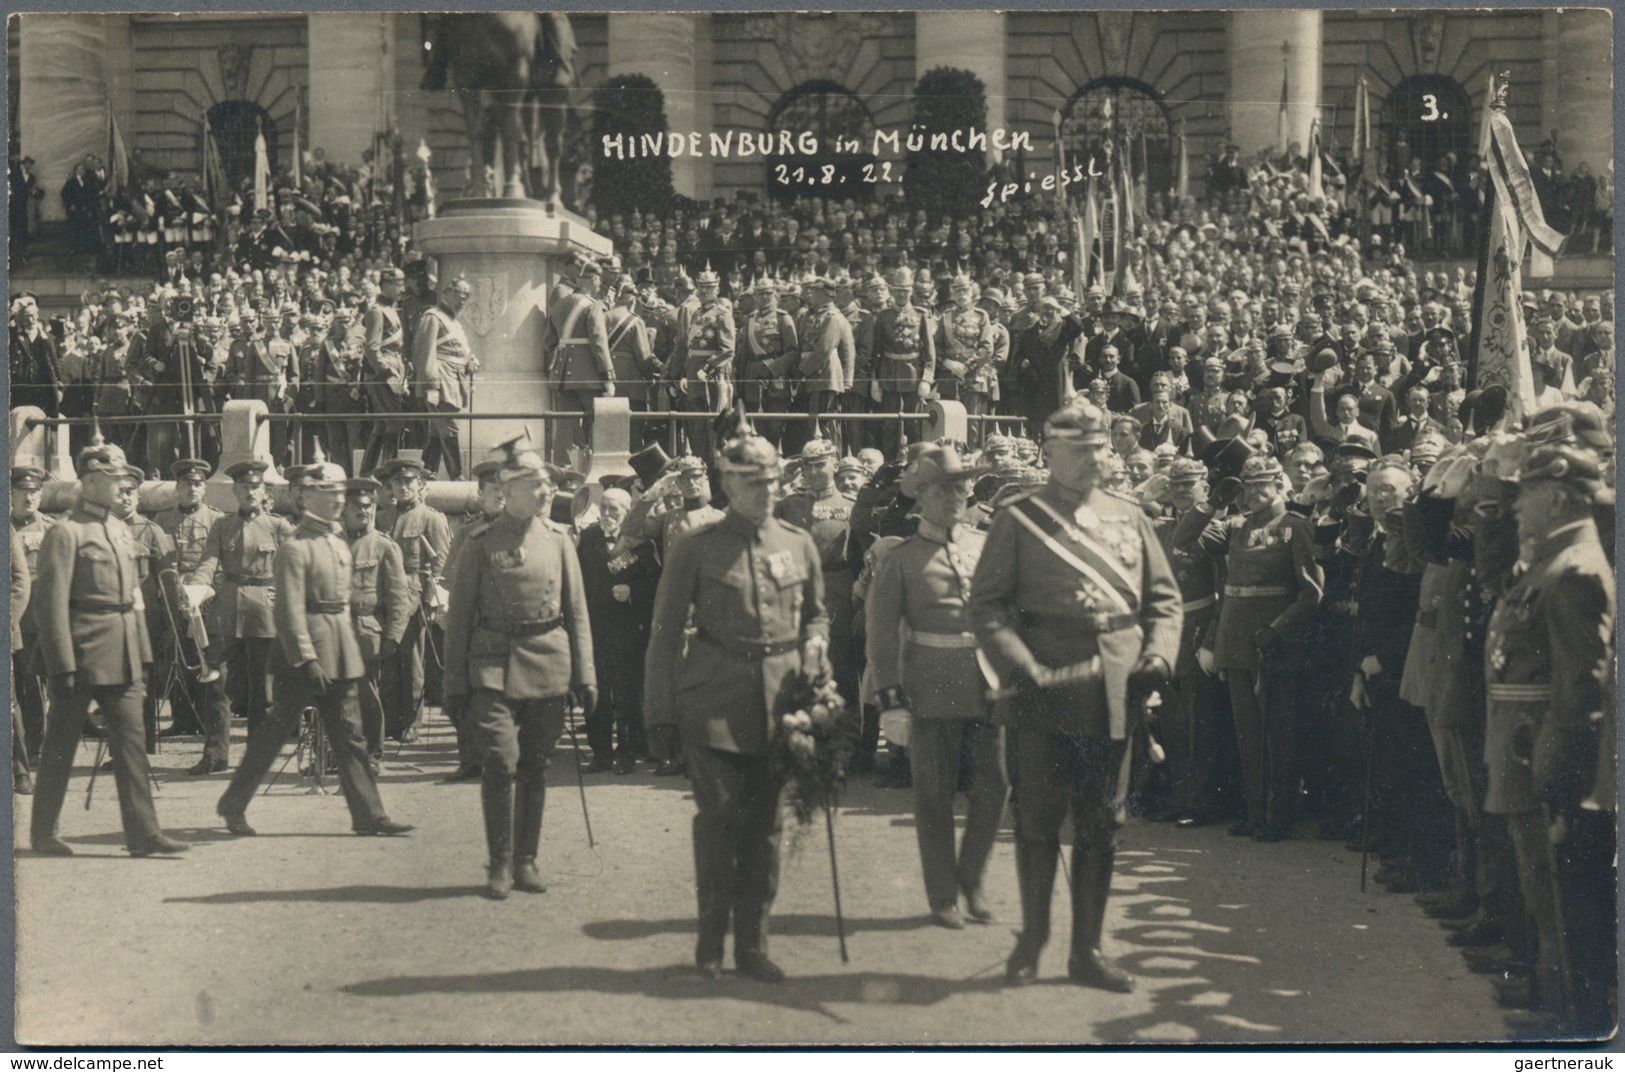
1035 870
496 801
529 797
1091 886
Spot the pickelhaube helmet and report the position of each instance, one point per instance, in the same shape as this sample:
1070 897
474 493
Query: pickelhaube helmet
1261 468
707 278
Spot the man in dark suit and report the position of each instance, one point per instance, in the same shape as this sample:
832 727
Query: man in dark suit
518 645
754 586
620 600
1077 609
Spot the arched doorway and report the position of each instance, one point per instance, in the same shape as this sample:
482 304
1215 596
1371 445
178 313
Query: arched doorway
235 124
835 116
1424 117
1117 109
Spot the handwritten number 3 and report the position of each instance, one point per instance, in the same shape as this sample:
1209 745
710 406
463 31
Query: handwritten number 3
1431 103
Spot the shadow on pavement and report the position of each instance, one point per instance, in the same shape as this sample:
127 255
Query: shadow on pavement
676 983
794 925
359 894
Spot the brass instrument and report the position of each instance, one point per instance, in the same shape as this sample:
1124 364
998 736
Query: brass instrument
186 622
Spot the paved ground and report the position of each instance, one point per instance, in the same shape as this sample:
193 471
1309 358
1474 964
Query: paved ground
307 934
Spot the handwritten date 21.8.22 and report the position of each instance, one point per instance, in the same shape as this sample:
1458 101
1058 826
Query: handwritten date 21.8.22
826 175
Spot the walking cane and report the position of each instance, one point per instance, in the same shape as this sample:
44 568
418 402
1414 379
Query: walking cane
1565 982
835 880
95 769
1365 810
581 780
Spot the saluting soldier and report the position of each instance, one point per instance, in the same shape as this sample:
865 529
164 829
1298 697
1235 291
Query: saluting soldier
518 644
905 362
317 661
575 345
388 382
424 537
1548 675
754 587
380 604
704 355
444 363
93 639
237 565
187 524
29 526
927 670
1075 605
823 510
1272 586
652 518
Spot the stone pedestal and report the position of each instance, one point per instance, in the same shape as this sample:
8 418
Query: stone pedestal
511 251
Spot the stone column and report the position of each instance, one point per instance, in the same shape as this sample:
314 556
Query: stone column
971 41
63 100
664 48
1255 54
352 66
1584 113
511 252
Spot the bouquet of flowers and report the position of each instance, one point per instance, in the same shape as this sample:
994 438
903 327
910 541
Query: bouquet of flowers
811 745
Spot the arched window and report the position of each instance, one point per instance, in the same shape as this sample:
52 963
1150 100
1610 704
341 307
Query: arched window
235 124
835 116
1118 109
1424 117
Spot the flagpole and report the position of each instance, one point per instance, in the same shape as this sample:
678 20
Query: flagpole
1486 221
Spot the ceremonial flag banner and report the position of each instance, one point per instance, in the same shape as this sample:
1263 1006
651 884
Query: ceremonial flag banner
1280 119
1317 187
118 159
298 150
262 173
1183 190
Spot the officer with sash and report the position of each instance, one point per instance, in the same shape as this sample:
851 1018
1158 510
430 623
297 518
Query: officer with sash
769 350
576 345
1077 610
704 356
445 365
905 361
187 523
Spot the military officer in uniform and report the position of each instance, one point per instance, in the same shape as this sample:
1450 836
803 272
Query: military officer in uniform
651 518
380 604
823 510
828 363
905 361
927 670
87 607
518 645
22 586
424 537
754 587
155 553
634 365
236 564
769 351
187 524
384 368
444 364
576 348
1190 709
704 356
487 508
1548 677
1272 586
29 527
317 661
1076 608
964 348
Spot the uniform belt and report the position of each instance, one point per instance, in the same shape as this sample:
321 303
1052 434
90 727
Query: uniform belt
250 582
1099 622
575 342
1255 590
90 604
751 647
1350 607
1199 604
940 640
522 629
901 357
327 606
1519 692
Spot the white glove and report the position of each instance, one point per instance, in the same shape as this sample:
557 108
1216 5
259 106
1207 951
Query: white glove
1204 659
622 593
